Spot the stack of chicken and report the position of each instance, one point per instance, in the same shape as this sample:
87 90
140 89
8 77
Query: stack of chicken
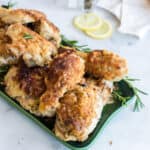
49 80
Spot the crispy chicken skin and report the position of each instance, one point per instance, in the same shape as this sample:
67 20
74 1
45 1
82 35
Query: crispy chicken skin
39 50
80 110
5 56
107 65
32 80
102 63
23 16
26 86
27 90
34 51
38 89
49 31
66 70
34 19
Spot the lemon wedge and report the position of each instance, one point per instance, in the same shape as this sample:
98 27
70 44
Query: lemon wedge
103 32
88 22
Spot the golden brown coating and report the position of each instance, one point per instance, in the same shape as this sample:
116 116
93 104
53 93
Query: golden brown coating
49 31
32 80
3 12
66 70
63 49
33 19
23 16
26 86
38 89
5 56
34 51
15 89
107 65
80 110
102 63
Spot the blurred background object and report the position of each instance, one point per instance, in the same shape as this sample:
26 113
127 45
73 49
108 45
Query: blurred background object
134 16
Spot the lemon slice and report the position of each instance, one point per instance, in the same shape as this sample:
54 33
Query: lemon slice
88 21
103 32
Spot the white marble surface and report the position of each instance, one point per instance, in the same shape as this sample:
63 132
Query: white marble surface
128 130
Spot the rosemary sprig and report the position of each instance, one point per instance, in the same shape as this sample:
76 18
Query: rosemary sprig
117 95
138 102
131 79
27 36
74 44
9 5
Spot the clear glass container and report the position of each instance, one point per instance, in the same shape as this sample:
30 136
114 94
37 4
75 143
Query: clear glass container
87 5
84 5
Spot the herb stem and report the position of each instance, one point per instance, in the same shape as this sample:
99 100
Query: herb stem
9 5
120 97
138 102
74 44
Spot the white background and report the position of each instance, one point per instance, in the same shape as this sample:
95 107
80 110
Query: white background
127 131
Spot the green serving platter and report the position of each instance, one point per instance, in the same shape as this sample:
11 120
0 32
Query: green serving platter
108 113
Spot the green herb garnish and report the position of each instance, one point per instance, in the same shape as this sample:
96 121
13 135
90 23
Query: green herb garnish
138 102
27 36
9 5
118 95
74 44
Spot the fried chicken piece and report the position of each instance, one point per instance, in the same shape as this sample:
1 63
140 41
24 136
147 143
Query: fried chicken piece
107 65
66 70
33 19
3 12
38 89
5 56
102 63
80 110
23 16
49 31
26 85
34 51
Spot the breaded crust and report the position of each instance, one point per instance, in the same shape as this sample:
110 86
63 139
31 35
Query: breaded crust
80 110
45 85
32 80
49 31
5 56
106 64
3 12
22 16
101 63
34 51
14 90
26 86
66 70
33 18
81 54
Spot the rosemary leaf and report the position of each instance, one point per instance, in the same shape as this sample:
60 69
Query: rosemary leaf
27 36
74 44
140 91
122 99
9 5
131 79
138 102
